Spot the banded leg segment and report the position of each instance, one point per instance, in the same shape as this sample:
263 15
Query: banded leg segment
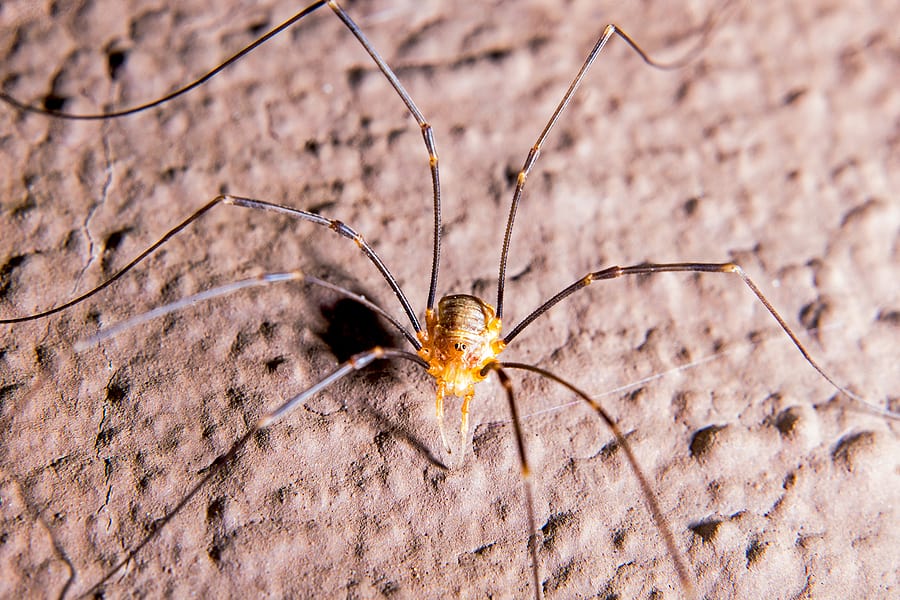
525 471
354 363
111 331
535 150
647 490
124 112
333 224
427 133
342 229
649 268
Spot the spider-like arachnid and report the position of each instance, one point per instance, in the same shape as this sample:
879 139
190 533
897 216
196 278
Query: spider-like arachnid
308 516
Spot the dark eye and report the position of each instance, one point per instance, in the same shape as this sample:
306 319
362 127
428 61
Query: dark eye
459 346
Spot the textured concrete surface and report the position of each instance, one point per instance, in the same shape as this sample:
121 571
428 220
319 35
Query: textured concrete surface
778 148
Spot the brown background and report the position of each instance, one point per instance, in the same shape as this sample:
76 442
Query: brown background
778 148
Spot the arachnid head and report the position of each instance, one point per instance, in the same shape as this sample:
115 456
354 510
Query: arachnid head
460 338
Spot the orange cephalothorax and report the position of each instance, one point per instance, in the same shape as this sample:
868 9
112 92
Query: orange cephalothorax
458 341
460 338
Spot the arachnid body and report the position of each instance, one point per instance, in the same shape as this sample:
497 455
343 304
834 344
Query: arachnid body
767 150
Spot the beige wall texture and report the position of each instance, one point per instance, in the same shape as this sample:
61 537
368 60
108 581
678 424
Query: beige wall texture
778 148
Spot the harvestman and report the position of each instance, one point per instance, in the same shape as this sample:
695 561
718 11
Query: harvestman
462 338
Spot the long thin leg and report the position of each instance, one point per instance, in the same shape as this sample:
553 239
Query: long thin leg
525 471
59 114
646 488
333 224
354 363
340 228
111 331
427 135
535 151
646 269
392 78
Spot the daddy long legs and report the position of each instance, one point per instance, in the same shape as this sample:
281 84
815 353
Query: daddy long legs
221 512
